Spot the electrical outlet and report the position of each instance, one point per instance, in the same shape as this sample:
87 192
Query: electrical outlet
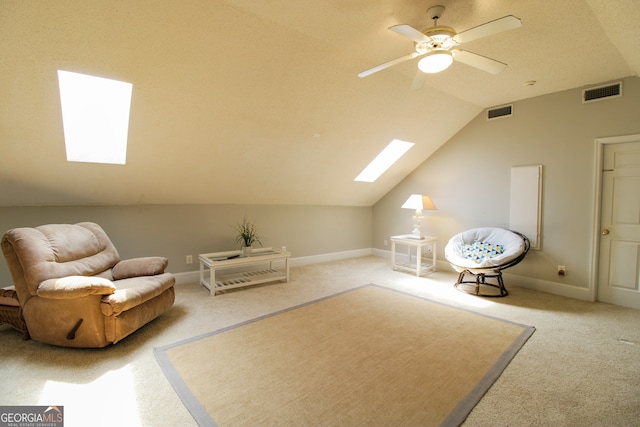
189 259
562 271
386 243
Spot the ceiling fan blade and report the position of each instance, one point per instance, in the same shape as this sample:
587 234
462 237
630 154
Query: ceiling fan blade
409 32
505 23
478 61
388 64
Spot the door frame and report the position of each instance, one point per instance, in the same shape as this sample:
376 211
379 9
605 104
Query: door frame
597 200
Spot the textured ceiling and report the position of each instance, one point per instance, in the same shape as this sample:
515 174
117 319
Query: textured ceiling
258 102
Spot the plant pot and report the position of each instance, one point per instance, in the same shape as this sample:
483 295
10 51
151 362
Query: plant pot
246 251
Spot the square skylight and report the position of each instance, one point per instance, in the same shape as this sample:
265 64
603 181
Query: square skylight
95 117
383 161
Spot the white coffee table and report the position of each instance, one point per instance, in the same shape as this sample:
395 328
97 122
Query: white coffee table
229 270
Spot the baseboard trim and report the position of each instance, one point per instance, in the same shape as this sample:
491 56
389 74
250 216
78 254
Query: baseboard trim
187 277
194 276
547 286
381 253
334 256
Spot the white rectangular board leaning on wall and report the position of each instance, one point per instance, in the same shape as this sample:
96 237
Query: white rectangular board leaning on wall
526 202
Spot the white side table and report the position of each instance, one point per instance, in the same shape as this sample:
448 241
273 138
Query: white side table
421 265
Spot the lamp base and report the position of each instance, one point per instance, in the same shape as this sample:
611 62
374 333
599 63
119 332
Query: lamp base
417 225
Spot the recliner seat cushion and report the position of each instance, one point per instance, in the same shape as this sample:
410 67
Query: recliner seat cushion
135 291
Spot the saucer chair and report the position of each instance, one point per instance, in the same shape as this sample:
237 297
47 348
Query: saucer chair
484 253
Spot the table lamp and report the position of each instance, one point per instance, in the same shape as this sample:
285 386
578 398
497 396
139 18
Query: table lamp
418 202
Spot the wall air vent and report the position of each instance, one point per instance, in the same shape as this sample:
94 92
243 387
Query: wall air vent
500 112
601 92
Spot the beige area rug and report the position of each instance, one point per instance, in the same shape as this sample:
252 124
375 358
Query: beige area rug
369 356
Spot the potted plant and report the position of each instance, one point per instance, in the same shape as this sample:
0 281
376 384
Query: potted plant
247 235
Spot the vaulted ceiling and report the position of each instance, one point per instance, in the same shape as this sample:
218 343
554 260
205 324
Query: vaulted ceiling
258 102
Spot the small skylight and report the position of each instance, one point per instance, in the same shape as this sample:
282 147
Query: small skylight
384 160
95 117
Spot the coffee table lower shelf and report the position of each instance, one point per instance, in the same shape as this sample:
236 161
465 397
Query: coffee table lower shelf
249 278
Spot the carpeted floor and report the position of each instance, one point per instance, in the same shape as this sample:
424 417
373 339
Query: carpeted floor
580 367
369 356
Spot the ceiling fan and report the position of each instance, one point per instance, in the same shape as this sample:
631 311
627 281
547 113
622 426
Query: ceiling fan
438 45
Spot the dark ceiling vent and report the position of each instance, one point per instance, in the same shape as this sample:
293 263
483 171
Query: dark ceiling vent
499 112
601 92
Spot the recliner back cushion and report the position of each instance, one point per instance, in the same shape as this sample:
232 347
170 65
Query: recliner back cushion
60 250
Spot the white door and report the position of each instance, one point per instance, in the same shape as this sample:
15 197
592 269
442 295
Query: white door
619 268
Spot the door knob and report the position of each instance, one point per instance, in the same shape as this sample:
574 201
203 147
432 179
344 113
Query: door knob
605 231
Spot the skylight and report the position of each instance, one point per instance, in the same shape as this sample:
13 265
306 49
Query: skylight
95 117
384 160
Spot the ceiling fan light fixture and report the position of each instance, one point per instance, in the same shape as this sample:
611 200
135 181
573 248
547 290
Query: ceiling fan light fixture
435 61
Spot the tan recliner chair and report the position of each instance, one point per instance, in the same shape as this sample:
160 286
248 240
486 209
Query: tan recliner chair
74 289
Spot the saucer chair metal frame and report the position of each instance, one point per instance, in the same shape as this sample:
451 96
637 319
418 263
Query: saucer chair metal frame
494 272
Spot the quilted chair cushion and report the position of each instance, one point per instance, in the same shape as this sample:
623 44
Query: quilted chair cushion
484 248
480 251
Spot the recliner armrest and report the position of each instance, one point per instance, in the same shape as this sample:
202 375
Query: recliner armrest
136 267
75 287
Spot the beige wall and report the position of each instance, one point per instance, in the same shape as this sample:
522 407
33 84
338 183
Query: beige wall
468 180
175 231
